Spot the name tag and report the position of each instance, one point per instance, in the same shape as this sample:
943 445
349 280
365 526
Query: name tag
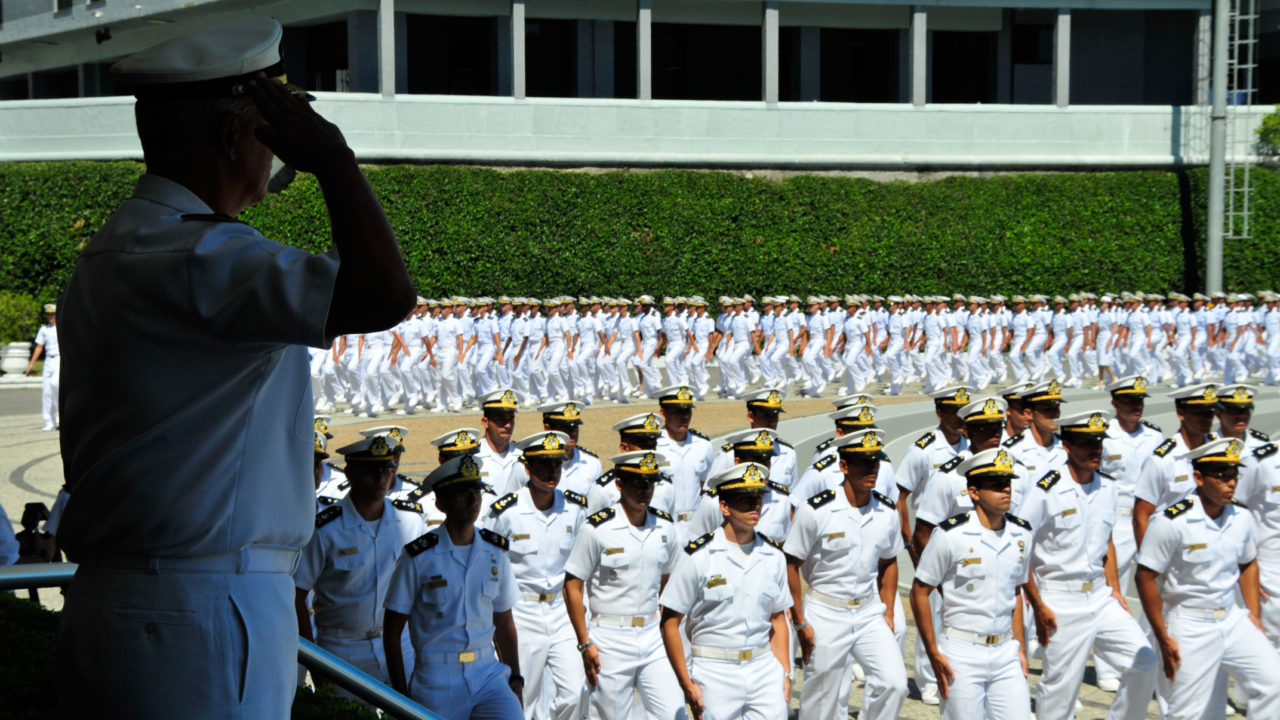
1180 478
612 551
519 536
833 536
435 581
1197 546
1275 488
348 551
971 561
937 465
1031 467
716 581
1065 513
1113 457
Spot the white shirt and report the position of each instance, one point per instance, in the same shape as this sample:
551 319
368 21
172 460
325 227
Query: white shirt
621 564
1167 476
540 541
604 494
689 462
499 468
1072 525
1124 454
924 457
577 475
842 545
1259 489
1197 556
47 337
978 571
1037 458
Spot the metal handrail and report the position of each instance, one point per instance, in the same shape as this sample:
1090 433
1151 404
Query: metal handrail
314 658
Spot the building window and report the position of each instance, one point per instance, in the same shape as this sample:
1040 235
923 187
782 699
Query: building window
964 67
1032 56
450 55
624 60
706 62
1132 57
551 51
317 56
14 88
860 65
52 84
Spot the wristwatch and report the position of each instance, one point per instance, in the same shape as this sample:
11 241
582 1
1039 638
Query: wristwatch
582 647
787 675
801 626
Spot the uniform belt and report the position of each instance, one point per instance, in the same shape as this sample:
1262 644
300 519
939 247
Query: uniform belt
839 602
1202 613
712 653
1070 586
540 597
1124 511
625 620
349 634
251 559
976 638
457 658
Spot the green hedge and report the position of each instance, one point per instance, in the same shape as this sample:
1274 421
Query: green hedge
477 231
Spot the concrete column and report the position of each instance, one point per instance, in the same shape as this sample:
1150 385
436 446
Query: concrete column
1203 70
387 47
810 63
603 46
517 49
919 55
644 49
769 50
1062 58
363 51
1004 59
402 53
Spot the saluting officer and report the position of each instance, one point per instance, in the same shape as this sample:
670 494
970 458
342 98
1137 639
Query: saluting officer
979 561
498 455
845 544
688 451
1194 557
350 558
636 433
456 591
541 522
581 466
1166 477
732 587
746 446
1074 588
623 556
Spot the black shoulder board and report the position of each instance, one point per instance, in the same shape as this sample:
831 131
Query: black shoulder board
727 447
660 513
1237 503
422 544
344 484
882 498
1164 448
825 444
824 462
406 506
769 541
575 498
695 432
209 217
584 450
494 538
1259 436
1211 436
951 464
326 500
328 515
926 440
664 477
416 494
606 478
822 498
1050 479
601 516
952 523
1152 425
1014 440
1106 476
1178 508
504 503
777 487
698 544
785 443
1017 521
1265 451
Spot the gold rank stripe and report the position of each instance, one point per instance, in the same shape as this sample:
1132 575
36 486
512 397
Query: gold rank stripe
1065 513
613 551
348 551
1180 478
1197 546
971 561
519 536
833 536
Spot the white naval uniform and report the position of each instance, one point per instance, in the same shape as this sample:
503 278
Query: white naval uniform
979 572
1073 523
1037 459
922 460
1167 475
1198 559
841 547
577 475
500 469
1259 490
604 493
348 563
728 602
540 542
775 514
450 594
47 337
689 462
1123 456
622 566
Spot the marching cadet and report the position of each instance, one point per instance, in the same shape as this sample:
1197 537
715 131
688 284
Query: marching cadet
845 543
1018 414
1038 448
732 587
450 445
456 592
763 408
824 473
929 451
350 558
980 560
1195 556
46 343
636 433
757 446
623 556
1074 589
582 467
1166 477
1234 411
688 451
498 455
540 522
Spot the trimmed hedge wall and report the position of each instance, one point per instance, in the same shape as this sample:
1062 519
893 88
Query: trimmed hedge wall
476 231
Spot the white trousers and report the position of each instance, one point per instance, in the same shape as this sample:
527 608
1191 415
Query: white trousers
367 656
556 389
549 659
843 637
988 685
677 372
472 691
696 366
734 365
1231 643
647 366
49 390
633 661
750 690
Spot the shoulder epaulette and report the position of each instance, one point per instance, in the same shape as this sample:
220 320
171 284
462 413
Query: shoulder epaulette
326 500
1014 440
1178 508
954 522
727 447
344 484
1050 479
417 494
664 477
1237 503
926 440
328 515
695 432
1152 425
882 498
407 506
606 478
1017 521
601 517
777 487
494 538
422 544
784 443
711 492
824 444
1164 448
1211 436
824 463
504 503
698 544
660 514
1109 477
575 498
822 498
1259 435
951 464
586 451
1266 451
769 541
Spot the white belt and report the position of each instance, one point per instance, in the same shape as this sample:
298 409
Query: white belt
975 638
462 658
349 634
733 655
839 602
540 597
1202 613
625 620
1124 511
1071 586
250 559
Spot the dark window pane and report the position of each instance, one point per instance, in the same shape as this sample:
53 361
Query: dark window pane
706 62
860 65
624 60
550 51
1033 44
450 55
964 67
316 55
